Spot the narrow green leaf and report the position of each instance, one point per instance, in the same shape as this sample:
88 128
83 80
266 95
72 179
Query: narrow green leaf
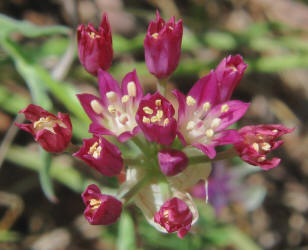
126 240
44 176
60 170
9 25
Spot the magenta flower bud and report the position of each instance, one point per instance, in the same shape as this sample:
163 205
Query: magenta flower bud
172 161
257 141
175 216
102 155
101 209
162 46
155 118
229 72
52 132
95 46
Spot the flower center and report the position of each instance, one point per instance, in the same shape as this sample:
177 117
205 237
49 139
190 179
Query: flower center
47 123
155 115
95 150
94 203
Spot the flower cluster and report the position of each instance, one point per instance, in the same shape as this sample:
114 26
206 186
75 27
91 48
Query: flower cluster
175 145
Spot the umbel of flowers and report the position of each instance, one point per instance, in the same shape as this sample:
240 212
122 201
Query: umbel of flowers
175 147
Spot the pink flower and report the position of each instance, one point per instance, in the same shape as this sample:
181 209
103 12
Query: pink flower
101 209
172 161
175 216
95 47
229 72
155 118
202 120
102 155
257 141
162 46
52 132
114 113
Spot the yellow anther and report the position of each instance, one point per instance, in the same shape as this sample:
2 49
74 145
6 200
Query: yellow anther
131 89
190 125
275 131
158 102
96 106
47 123
224 108
166 121
124 98
155 35
154 119
190 101
159 114
95 150
147 110
266 146
232 67
111 109
93 35
111 96
209 132
166 214
260 137
95 203
215 123
206 106
261 158
255 146
146 119
171 28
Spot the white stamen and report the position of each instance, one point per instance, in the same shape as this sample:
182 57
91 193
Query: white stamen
190 125
224 108
97 107
215 123
206 106
255 146
131 89
111 109
124 98
266 146
111 96
155 35
209 132
190 100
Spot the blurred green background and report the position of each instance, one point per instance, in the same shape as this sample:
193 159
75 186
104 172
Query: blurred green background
39 64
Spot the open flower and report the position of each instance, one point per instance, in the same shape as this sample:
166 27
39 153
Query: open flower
162 46
257 141
175 216
95 46
52 132
229 72
155 118
102 155
202 120
101 209
114 113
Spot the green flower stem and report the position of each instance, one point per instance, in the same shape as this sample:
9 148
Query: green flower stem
162 86
71 148
230 153
143 147
135 189
133 162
